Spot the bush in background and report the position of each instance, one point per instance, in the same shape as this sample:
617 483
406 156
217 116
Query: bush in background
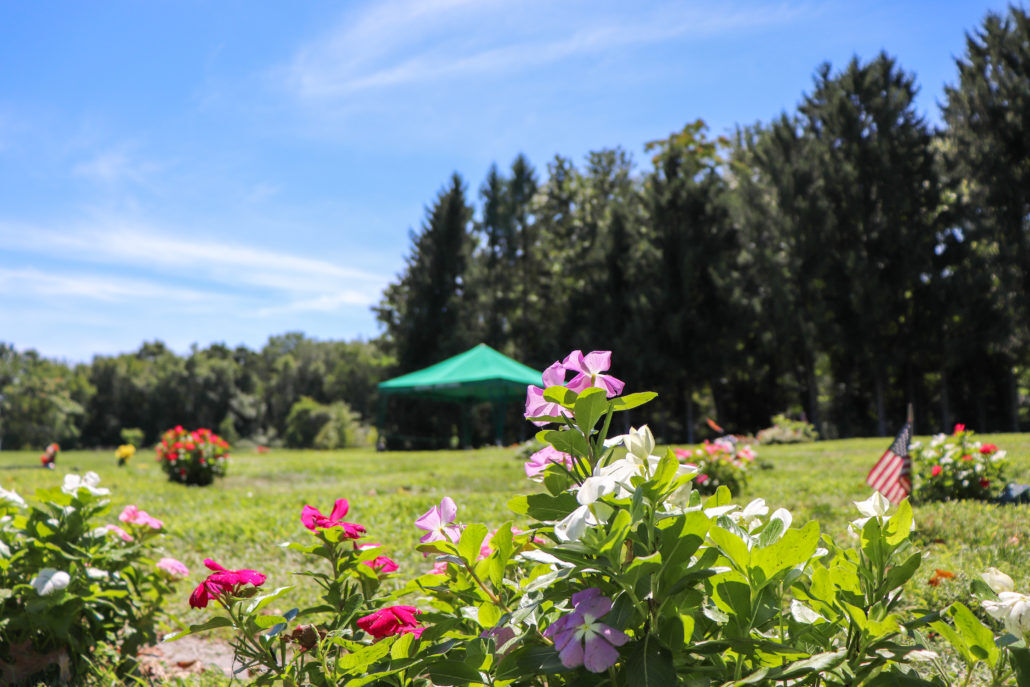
957 467
325 426
132 435
195 457
784 430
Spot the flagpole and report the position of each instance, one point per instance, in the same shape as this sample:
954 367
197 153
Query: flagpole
911 419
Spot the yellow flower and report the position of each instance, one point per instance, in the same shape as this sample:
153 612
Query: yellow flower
124 452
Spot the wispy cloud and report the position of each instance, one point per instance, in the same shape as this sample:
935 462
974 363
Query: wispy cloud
271 279
29 283
114 166
406 41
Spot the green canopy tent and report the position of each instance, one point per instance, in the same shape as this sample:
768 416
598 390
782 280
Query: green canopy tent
479 375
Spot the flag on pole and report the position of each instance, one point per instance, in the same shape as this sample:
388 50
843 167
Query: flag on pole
892 474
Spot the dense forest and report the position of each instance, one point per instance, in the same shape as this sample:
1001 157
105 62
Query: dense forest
836 263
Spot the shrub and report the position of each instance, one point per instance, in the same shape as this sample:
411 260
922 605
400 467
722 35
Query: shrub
132 435
784 430
195 457
70 580
956 466
311 424
723 462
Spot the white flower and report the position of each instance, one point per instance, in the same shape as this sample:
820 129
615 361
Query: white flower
938 440
876 506
639 443
783 515
751 516
11 497
1000 455
1013 609
89 481
49 581
997 580
97 574
922 655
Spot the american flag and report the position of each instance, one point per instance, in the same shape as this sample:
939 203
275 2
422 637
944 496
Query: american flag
892 474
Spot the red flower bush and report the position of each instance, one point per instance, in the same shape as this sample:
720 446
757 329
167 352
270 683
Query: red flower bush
392 620
223 582
195 457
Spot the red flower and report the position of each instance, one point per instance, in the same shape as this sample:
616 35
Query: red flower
967 457
313 519
190 446
959 428
988 448
936 470
984 482
392 620
939 575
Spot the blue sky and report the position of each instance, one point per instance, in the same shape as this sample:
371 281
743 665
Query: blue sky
223 171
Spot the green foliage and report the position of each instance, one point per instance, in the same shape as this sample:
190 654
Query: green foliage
324 427
70 585
132 436
957 466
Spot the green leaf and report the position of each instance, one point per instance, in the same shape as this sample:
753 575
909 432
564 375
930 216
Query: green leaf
900 574
561 395
631 401
259 602
211 624
795 547
488 615
471 542
453 673
731 546
266 621
1021 662
650 666
898 528
568 441
402 647
589 407
544 507
978 637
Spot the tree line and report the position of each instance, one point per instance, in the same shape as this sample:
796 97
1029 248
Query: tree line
836 263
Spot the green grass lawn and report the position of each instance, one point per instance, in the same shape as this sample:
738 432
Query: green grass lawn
241 520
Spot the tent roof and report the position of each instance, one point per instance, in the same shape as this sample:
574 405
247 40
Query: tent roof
478 374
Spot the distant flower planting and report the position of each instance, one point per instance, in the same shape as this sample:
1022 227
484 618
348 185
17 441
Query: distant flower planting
957 466
722 462
195 457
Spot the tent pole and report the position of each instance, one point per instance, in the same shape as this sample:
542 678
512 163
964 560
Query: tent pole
465 443
500 410
380 423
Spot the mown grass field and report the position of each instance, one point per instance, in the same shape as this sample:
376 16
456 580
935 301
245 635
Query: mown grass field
242 519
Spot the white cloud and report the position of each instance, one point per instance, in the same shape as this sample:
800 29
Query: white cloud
31 282
407 42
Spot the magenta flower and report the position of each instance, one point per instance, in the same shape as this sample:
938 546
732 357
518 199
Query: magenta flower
382 564
438 522
313 519
536 406
590 367
392 620
173 569
223 582
580 639
539 461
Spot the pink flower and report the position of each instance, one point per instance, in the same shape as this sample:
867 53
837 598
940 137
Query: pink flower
392 620
223 582
580 639
959 428
988 448
536 406
747 453
936 470
439 568
120 532
382 564
701 479
438 522
590 367
539 461
135 516
501 636
173 569
313 519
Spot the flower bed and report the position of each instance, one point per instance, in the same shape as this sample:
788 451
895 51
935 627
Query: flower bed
723 462
195 457
957 466
627 576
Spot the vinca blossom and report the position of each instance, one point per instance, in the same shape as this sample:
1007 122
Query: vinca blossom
580 639
49 581
125 536
536 406
223 582
539 461
876 506
89 482
11 497
590 368
173 569
392 620
313 519
438 522
135 516
1011 607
